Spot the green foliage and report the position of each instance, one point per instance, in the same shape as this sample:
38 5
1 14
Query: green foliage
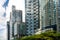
48 35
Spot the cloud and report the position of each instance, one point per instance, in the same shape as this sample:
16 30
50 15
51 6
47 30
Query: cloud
2 21
2 10
19 5
3 34
2 2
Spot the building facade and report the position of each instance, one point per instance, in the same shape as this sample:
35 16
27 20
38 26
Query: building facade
15 22
32 14
48 15
58 15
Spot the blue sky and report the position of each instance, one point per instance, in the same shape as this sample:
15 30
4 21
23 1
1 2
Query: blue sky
5 17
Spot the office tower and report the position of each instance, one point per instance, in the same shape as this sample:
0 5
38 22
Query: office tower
58 15
42 14
23 29
12 20
8 30
18 22
48 15
32 16
15 22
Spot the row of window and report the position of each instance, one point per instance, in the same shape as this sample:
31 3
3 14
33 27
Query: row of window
30 1
29 7
35 7
35 14
35 10
35 22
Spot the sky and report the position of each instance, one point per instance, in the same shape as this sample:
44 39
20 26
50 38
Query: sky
5 17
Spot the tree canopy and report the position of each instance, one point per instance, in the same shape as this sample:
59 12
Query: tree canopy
48 35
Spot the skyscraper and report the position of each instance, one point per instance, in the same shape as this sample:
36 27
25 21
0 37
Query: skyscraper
15 22
58 15
18 23
48 15
32 13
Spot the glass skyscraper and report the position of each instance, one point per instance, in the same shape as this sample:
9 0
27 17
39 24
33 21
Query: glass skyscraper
48 14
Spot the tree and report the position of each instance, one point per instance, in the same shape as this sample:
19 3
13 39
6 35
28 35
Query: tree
48 35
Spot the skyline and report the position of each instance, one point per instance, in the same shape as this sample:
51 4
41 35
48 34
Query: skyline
19 6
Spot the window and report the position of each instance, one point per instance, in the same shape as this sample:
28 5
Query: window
14 14
34 18
30 1
34 4
34 13
35 26
28 13
29 10
27 20
29 4
27 26
30 22
18 14
29 7
34 22
34 0
34 9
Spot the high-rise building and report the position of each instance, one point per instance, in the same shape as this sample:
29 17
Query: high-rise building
48 15
32 16
18 22
8 30
15 22
58 15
